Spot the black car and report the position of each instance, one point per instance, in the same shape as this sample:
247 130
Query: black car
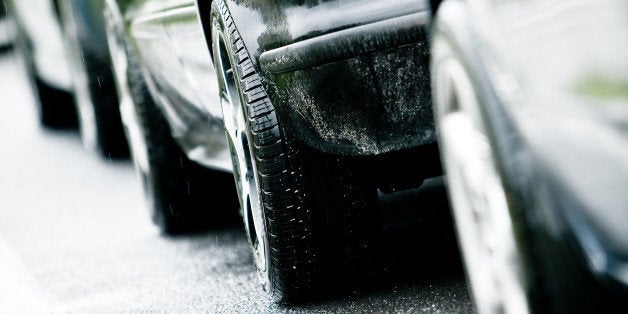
323 103
531 103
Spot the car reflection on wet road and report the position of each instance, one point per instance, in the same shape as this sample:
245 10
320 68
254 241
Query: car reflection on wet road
74 236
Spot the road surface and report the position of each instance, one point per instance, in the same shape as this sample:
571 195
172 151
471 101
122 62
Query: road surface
75 237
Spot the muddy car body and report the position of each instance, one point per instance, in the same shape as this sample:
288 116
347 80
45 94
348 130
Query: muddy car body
322 104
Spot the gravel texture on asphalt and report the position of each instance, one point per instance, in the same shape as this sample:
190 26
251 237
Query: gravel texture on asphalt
75 237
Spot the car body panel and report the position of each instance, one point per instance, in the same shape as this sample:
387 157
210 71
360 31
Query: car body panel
176 63
273 24
560 76
169 40
366 102
50 59
188 41
583 140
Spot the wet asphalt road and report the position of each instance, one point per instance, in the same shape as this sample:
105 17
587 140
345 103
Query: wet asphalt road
74 236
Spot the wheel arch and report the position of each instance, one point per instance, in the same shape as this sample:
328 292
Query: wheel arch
434 4
535 200
204 14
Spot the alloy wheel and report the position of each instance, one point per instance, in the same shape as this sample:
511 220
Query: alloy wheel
244 168
479 203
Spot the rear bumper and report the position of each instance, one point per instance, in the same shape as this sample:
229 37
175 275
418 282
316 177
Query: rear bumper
345 44
359 91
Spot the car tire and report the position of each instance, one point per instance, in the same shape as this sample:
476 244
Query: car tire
95 95
303 211
181 195
55 106
513 263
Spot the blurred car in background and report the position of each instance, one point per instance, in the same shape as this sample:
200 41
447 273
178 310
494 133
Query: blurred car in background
322 103
45 59
7 33
531 103
66 53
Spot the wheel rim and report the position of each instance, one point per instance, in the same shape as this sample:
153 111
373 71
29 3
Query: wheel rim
483 221
244 168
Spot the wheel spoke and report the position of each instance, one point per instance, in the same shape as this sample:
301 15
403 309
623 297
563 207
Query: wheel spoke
236 125
479 201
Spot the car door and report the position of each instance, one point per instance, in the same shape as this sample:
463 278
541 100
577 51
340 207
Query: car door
184 30
169 39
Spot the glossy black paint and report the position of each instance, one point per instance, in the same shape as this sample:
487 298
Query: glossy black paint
562 176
